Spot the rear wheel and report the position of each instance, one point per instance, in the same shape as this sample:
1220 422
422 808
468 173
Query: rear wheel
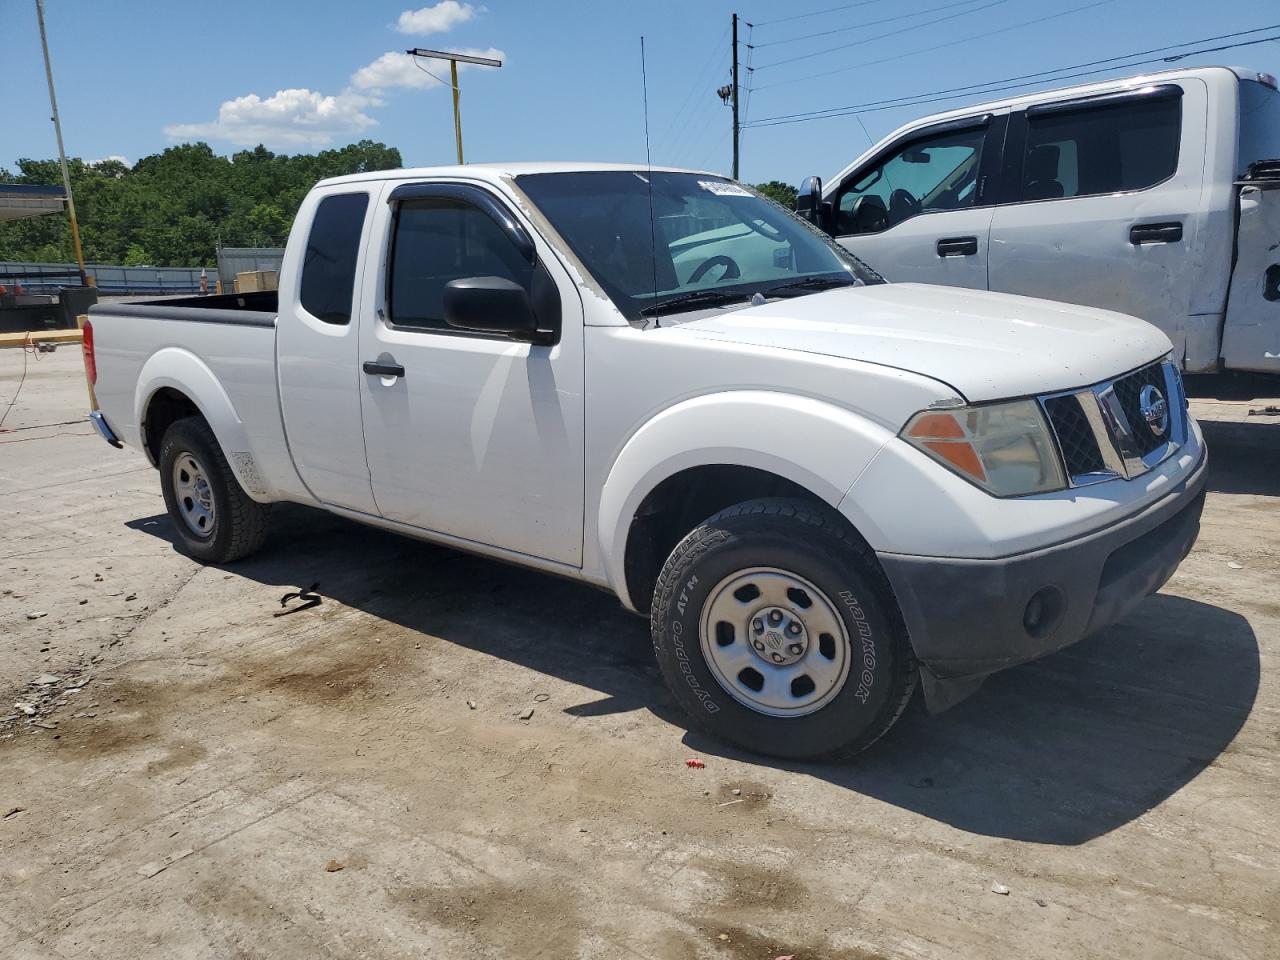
775 628
215 520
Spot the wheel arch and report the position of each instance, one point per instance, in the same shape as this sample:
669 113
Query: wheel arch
659 484
175 383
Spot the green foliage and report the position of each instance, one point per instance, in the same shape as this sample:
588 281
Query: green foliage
171 209
780 192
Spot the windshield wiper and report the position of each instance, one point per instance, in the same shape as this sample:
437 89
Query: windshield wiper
697 298
809 285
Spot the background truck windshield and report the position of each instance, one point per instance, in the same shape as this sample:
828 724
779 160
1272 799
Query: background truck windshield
705 234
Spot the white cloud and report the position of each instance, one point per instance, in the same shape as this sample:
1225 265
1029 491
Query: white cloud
394 69
440 18
289 118
115 156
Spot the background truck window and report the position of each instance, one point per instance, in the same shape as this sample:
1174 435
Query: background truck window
1106 149
1259 124
925 176
329 266
440 240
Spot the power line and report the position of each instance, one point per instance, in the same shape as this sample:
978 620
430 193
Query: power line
996 86
689 97
950 43
815 13
882 36
867 23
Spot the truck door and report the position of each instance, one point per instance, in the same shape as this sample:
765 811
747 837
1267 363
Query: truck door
317 345
920 210
1101 198
473 435
1251 333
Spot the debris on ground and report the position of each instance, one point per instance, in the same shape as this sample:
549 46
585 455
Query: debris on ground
1232 565
1000 888
471 704
541 698
23 706
308 597
693 763
13 812
149 870
736 792
723 936
1268 411
526 713
1041 902
37 614
333 866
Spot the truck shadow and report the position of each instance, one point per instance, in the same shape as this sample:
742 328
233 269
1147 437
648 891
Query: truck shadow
1244 457
1059 752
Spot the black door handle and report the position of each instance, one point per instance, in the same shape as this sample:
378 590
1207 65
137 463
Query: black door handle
1155 233
958 247
376 369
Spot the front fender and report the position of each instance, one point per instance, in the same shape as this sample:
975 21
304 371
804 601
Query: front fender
815 444
186 373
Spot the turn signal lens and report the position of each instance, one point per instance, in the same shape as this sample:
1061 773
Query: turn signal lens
1005 448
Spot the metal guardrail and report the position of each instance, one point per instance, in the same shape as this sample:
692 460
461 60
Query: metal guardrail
48 277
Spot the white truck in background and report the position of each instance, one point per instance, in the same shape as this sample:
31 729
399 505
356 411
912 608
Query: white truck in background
1156 196
819 487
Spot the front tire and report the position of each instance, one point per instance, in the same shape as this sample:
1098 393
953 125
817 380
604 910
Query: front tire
776 630
215 520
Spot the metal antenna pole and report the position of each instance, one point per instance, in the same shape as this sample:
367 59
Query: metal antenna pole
62 153
735 96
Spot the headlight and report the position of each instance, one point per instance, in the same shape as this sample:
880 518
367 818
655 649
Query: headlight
1005 448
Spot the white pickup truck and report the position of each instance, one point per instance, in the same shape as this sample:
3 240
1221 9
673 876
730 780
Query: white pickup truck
1157 196
820 487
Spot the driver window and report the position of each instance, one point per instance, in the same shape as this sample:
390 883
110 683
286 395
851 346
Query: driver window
924 176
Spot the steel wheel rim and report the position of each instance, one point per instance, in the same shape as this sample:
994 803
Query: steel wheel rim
767 673
194 496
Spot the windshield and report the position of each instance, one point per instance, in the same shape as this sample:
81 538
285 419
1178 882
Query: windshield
715 240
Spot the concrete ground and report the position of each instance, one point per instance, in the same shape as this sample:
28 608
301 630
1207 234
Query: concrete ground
193 779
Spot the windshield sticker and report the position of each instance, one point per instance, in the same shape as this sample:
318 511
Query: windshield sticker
723 188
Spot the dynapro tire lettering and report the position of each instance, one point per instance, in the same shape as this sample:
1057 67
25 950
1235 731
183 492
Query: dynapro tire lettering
867 677
682 655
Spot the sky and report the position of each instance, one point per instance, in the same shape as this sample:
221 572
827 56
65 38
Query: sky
136 76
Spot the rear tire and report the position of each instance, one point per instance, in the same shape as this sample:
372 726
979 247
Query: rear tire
214 519
776 630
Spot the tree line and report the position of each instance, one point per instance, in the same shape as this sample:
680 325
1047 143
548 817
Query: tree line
173 209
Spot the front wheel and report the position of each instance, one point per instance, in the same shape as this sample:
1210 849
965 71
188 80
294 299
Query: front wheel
776 630
215 520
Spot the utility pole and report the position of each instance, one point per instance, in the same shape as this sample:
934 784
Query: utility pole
735 96
454 59
62 153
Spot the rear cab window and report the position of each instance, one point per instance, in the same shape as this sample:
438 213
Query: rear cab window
1107 147
329 264
1259 124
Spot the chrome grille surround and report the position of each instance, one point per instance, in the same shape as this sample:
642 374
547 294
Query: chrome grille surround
1124 449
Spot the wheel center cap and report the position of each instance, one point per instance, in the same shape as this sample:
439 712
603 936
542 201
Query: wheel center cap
778 636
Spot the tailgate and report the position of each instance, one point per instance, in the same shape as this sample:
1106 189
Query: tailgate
1251 329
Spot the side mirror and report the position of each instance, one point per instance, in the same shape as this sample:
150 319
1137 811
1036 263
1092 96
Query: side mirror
809 205
491 305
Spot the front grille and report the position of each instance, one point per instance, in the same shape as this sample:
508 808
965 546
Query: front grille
1101 432
1128 392
1079 446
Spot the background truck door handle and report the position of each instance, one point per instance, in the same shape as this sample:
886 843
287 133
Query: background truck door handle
1155 233
958 247
377 369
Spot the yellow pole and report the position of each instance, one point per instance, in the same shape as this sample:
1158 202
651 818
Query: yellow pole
457 116
62 153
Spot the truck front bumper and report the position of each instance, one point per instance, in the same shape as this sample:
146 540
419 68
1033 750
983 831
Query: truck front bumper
968 619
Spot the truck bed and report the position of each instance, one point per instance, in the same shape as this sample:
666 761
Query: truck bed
217 351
